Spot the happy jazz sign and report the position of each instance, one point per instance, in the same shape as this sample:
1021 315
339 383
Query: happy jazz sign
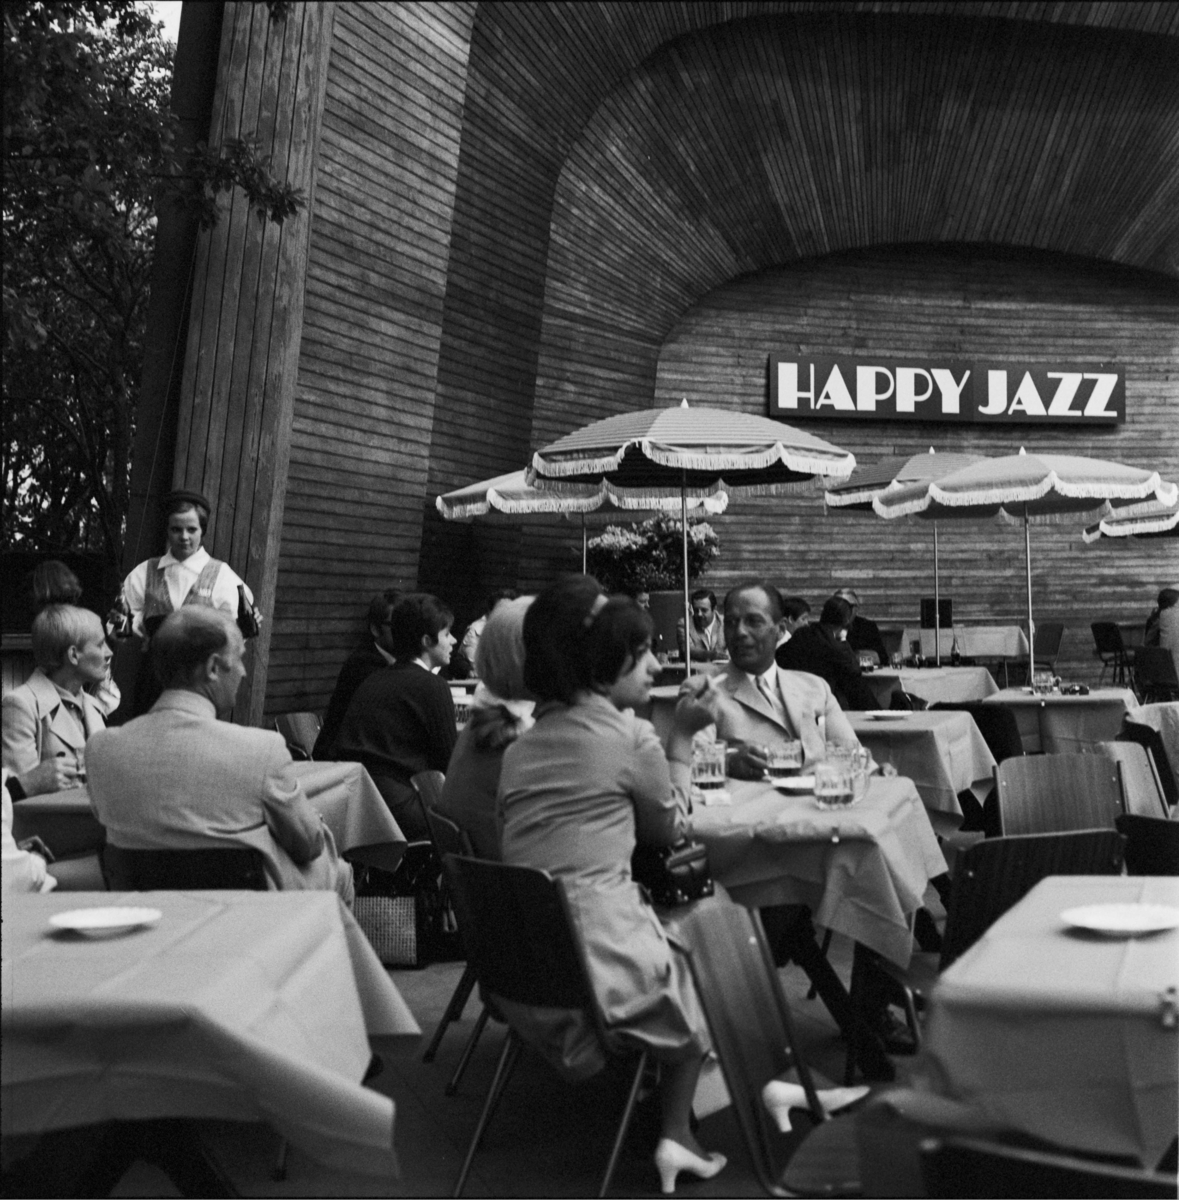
977 393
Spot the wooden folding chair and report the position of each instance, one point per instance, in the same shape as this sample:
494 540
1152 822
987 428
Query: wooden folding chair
521 940
1152 845
970 1167
216 868
300 731
1151 740
1053 793
1140 778
992 876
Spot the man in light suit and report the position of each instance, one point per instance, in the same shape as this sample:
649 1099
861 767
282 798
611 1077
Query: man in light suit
770 706
49 718
177 778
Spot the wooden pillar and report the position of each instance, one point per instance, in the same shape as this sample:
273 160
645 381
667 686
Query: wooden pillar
237 393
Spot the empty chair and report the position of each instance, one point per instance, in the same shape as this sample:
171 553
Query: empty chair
520 939
992 877
998 726
299 730
955 1167
892 639
1109 647
216 868
1140 779
1155 680
1053 793
1152 845
1152 741
1049 635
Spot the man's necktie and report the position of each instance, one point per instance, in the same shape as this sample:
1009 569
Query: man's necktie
770 692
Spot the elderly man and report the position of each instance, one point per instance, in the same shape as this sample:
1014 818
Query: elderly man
49 718
179 779
862 634
770 706
708 631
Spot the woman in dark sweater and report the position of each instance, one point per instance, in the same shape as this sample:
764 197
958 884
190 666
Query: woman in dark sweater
401 719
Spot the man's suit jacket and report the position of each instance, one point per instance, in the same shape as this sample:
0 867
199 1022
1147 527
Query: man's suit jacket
863 634
707 644
806 698
179 779
816 649
37 727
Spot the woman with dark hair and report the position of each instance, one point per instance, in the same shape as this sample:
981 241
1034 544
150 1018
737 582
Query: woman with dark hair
576 792
401 719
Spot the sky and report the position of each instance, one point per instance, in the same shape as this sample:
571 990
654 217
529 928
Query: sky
167 11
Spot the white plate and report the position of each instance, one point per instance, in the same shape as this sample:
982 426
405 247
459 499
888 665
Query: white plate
104 922
794 783
1122 920
886 714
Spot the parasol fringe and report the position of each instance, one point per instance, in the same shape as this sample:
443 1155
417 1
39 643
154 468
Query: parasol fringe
1028 493
831 466
1096 513
905 508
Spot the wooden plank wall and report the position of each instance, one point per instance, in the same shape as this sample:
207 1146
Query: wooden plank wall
376 278
971 304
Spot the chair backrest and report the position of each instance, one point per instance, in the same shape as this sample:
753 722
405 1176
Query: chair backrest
1053 793
518 934
1152 740
1144 788
448 838
892 638
749 1022
997 724
1107 638
218 868
1049 635
995 874
428 785
954 1167
1152 845
299 731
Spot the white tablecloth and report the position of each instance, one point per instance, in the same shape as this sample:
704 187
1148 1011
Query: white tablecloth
950 685
943 753
253 1006
862 871
1056 724
974 641
1063 1034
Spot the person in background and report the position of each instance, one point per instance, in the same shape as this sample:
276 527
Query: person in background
24 864
401 719
184 576
576 792
49 719
54 583
374 652
822 650
771 706
708 633
862 634
643 599
462 664
177 778
1168 623
501 710
796 613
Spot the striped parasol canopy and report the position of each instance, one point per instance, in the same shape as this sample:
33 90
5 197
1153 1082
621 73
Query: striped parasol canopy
1032 488
1147 519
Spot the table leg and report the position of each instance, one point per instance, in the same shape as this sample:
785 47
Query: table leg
791 935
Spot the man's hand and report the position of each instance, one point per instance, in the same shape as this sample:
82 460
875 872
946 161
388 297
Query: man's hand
36 846
53 775
746 761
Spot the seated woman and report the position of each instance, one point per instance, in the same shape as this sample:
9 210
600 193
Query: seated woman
500 711
575 792
401 719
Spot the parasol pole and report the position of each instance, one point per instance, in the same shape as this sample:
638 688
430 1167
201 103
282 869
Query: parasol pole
584 548
687 603
1027 552
937 604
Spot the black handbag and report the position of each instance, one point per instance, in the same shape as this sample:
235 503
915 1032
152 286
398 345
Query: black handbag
672 875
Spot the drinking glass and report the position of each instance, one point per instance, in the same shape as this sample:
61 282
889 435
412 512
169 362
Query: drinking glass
897 659
708 767
834 784
1042 682
784 760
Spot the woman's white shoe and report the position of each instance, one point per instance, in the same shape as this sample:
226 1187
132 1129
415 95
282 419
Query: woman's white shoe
671 1158
779 1097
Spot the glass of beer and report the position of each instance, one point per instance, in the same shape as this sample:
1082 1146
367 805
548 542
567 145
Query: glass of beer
834 784
708 767
784 760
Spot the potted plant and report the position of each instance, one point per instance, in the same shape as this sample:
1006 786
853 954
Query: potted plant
648 557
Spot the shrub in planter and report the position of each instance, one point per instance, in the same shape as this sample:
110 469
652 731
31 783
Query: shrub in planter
648 557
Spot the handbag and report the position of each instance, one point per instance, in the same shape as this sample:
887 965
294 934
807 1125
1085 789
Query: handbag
672 875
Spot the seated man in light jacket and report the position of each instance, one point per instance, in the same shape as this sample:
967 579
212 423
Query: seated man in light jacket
49 719
177 778
769 705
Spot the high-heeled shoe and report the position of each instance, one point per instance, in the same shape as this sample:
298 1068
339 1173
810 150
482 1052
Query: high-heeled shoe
779 1097
671 1158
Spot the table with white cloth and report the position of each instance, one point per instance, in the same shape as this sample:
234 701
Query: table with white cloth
934 685
1060 724
943 753
974 641
343 793
862 871
1164 720
1066 1035
249 1006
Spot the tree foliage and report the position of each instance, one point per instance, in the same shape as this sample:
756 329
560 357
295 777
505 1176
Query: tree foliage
90 153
